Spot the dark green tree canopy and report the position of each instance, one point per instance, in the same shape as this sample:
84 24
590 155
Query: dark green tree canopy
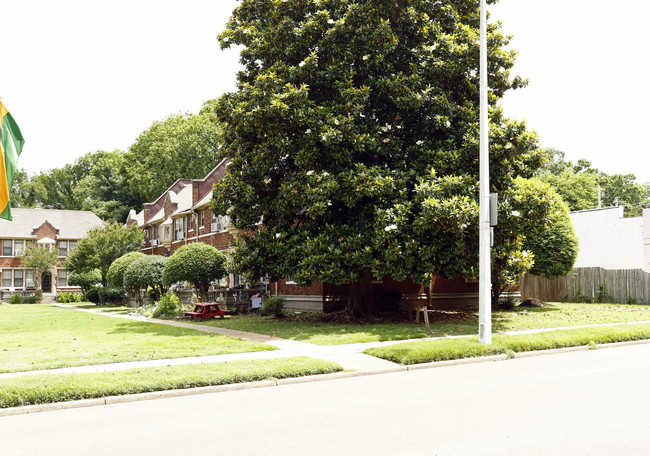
198 263
578 184
354 137
115 274
181 146
102 246
85 280
556 248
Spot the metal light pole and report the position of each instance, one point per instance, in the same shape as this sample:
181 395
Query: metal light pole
485 284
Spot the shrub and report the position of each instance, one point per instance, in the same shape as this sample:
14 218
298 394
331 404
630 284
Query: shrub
115 274
146 271
38 296
198 263
85 280
92 295
29 300
66 297
167 307
111 295
15 299
273 305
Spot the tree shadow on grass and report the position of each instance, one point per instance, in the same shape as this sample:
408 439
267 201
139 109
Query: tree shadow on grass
157 329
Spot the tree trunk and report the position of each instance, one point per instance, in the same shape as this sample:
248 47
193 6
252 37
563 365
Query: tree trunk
361 300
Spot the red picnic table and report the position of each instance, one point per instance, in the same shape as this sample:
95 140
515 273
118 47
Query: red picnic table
203 310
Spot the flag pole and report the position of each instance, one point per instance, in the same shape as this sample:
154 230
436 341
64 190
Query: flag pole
485 285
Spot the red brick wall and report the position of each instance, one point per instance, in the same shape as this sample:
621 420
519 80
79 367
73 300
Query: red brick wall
315 289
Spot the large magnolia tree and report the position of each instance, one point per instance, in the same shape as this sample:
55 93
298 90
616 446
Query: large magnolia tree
354 136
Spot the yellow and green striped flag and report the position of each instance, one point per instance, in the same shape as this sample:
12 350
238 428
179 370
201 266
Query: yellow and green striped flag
11 143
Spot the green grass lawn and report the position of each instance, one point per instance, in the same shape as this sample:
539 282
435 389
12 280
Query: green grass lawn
447 349
48 388
42 336
443 323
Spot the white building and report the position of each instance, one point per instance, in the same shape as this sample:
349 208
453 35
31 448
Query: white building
611 241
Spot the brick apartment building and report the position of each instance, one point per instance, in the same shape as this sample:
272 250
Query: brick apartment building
58 229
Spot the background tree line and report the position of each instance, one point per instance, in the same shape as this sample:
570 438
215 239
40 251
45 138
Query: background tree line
112 183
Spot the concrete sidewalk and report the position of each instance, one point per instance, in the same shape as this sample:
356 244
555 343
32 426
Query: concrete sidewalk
349 356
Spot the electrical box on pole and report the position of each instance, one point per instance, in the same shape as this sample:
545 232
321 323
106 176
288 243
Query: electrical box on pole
494 209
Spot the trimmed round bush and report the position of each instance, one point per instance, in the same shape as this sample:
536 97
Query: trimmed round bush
146 271
115 275
111 295
198 263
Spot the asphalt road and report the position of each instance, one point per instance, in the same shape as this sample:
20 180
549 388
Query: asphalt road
580 403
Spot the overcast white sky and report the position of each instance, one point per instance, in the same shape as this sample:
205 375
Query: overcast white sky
79 76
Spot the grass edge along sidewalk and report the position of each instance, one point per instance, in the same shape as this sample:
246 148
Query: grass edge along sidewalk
51 388
468 347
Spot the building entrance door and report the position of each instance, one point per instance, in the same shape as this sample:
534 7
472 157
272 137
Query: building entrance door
47 282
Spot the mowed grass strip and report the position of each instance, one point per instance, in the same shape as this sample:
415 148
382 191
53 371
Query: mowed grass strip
323 333
49 388
42 336
443 323
468 347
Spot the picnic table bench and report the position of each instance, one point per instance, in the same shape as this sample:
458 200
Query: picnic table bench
203 310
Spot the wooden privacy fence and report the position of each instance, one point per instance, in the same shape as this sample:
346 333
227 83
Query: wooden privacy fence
595 284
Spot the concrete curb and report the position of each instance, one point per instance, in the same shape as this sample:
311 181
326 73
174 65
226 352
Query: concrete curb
113 400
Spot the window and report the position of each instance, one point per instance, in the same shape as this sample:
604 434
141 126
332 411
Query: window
19 248
202 218
166 232
191 216
63 248
219 223
6 278
180 226
18 279
71 246
29 278
63 278
7 247
213 223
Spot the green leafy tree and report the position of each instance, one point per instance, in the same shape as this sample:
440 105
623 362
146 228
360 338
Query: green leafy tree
106 187
578 185
556 249
181 146
354 138
102 246
147 271
198 263
39 258
85 280
22 190
534 234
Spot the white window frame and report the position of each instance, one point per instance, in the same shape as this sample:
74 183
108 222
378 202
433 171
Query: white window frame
59 274
10 243
29 278
19 274
7 278
65 248
17 251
